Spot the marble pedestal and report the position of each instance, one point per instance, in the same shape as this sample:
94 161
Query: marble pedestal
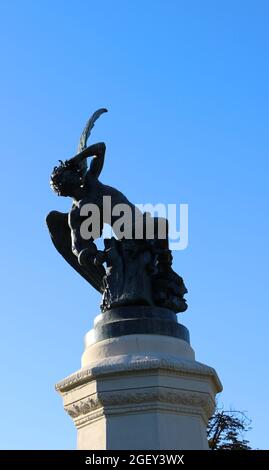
140 392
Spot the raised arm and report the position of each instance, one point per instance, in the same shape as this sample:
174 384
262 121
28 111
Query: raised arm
97 151
98 154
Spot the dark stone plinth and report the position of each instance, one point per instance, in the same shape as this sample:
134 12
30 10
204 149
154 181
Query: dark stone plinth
138 320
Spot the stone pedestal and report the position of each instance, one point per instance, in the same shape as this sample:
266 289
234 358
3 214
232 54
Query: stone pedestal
139 391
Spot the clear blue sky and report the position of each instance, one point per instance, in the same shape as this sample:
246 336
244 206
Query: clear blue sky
186 85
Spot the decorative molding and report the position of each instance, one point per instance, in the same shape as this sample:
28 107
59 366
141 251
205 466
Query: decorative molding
118 365
195 402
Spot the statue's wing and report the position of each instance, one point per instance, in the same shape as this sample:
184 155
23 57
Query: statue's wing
88 128
60 233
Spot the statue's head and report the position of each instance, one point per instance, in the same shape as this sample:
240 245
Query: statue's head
66 178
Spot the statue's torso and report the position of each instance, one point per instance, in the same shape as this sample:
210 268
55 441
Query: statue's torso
104 197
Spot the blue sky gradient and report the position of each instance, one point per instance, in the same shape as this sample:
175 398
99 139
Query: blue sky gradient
186 85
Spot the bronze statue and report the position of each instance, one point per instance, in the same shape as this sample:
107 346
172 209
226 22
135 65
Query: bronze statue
138 271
